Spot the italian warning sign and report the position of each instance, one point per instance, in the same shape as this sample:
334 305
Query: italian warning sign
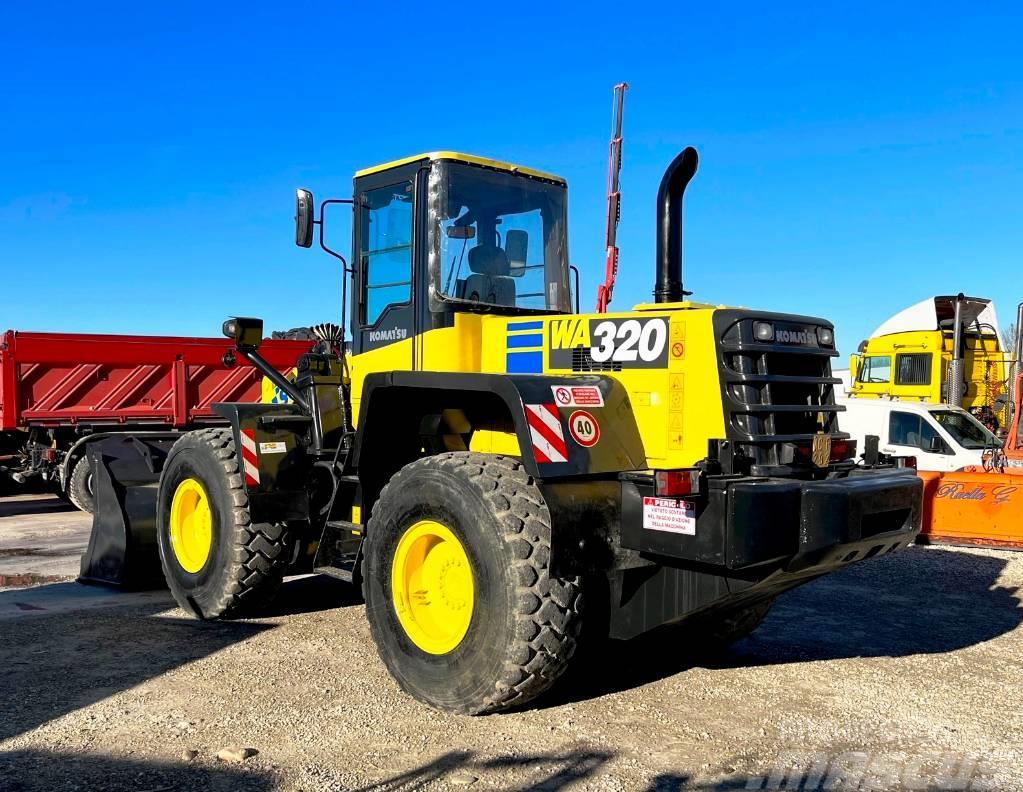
577 395
584 428
669 514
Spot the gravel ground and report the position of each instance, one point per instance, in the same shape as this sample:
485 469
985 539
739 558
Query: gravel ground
900 672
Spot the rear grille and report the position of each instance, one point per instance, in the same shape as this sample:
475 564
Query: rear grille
582 361
775 394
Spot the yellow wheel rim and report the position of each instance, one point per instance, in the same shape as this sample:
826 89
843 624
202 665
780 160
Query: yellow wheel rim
432 587
191 525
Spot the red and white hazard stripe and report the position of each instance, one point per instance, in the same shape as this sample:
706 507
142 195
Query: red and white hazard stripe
547 434
250 459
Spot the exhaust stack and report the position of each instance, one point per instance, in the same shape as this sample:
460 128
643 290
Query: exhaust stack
1017 368
668 287
955 366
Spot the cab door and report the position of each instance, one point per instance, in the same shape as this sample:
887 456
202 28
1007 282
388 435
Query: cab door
383 305
911 434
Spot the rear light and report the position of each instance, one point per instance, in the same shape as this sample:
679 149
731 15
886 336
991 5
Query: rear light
840 449
909 462
676 483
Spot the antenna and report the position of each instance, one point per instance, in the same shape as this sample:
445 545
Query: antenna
614 200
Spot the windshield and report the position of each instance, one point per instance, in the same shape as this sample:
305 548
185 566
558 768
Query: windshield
499 238
967 430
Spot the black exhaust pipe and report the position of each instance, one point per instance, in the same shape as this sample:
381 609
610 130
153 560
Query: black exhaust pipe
669 227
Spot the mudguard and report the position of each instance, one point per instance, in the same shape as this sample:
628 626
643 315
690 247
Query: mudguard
272 442
567 426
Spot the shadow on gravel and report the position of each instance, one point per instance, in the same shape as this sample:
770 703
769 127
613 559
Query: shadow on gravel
43 771
53 665
25 506
549 771
310 594
917 601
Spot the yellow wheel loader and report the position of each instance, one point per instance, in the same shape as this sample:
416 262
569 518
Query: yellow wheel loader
483 457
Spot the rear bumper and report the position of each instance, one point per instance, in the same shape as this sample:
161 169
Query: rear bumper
753 539
750 524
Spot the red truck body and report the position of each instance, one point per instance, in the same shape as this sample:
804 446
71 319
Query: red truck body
58 379
58 390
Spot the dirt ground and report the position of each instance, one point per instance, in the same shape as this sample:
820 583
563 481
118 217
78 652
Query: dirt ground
902 672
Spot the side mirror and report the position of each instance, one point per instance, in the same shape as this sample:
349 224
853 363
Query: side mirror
936 445
304 220
246 332
516 244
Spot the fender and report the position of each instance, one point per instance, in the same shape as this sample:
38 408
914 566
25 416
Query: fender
272 442
393 401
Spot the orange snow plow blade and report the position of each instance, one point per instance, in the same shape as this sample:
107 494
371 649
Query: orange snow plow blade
973 508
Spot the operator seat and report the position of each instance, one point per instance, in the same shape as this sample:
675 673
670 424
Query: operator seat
490 281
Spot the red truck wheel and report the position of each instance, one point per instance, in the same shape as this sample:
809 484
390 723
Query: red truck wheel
79 486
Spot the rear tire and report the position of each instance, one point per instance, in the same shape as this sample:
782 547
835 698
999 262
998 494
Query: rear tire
79 486
524 621
243 565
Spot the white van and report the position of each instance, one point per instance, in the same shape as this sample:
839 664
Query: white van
941 437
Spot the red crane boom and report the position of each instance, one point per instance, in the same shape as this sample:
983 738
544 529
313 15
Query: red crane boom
614 203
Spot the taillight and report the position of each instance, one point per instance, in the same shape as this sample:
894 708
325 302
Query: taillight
841 449
908 461
676 483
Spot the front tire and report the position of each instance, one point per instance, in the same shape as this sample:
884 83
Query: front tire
217 562
459 596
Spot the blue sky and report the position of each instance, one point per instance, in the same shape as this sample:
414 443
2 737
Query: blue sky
855 158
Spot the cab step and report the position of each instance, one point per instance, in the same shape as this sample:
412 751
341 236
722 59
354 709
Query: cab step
340 550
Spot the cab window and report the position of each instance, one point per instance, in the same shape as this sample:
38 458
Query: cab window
877 368
386 249
913 369
909 429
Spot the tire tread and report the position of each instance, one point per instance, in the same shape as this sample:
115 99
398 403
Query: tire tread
547 610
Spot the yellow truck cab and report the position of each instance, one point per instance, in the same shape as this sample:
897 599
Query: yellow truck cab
914 355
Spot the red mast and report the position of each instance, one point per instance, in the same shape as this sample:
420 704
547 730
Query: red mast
614 204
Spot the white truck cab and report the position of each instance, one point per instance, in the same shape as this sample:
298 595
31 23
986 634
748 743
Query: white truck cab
941 437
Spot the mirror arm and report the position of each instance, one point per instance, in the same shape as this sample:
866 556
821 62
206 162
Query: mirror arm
320 223
575 272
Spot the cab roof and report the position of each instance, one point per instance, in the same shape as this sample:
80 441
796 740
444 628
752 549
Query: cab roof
433 156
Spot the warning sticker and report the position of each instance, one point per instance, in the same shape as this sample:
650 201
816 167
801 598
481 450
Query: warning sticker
577 395
584 428
669 514
273 448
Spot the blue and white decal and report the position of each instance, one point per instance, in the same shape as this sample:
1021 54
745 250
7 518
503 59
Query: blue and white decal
524 348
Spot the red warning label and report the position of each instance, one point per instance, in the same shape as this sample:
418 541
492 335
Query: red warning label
577 395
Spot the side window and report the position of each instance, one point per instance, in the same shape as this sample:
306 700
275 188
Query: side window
877 368
928 435
904 429
913 369
386 249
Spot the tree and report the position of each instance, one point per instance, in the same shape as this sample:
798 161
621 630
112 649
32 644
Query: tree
1009 336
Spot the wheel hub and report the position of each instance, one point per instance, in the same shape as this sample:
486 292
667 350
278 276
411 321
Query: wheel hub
432 587
191 525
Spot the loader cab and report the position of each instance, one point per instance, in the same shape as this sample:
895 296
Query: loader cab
444 234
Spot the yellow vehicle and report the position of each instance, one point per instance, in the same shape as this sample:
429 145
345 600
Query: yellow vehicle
916 354
485 456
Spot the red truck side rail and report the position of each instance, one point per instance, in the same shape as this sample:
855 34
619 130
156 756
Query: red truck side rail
63 379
